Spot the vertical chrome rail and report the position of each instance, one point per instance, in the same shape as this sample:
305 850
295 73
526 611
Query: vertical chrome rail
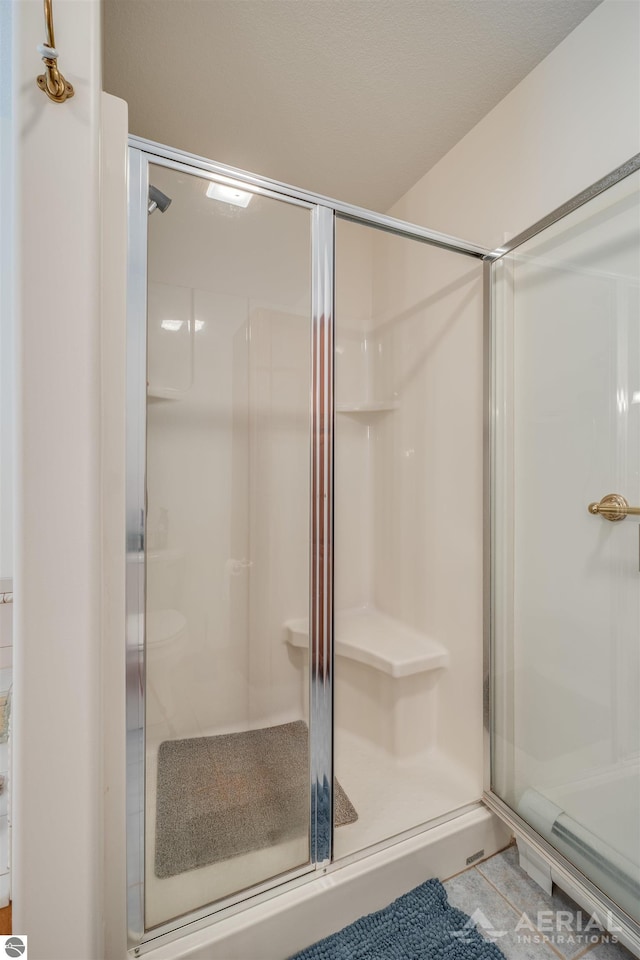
135 533
321 600
487 551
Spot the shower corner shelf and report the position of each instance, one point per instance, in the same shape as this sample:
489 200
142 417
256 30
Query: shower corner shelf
370 637
368 406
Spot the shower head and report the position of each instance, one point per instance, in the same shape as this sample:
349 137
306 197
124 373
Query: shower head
157 199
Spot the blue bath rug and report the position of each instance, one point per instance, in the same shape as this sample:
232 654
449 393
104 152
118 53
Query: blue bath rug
421 925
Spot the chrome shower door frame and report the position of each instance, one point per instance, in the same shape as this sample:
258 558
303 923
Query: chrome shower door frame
321 418
575 882
324 212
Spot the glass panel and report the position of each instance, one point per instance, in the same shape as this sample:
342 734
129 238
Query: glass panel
227 765
566 604
408 534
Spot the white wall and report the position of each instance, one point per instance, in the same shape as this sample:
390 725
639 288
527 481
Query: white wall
6 292
57 856
574 118
6 417
114 134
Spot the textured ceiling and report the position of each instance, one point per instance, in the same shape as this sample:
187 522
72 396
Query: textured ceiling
355 99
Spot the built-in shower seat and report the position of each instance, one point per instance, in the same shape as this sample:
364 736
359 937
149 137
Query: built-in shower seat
385 678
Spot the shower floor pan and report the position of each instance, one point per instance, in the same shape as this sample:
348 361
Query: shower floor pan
390 797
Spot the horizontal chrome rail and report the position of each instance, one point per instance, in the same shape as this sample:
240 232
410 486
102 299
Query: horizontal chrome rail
624 170
345 211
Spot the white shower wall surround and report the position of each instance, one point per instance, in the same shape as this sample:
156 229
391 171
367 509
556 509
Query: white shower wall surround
230 360
390 373
404 312
214 430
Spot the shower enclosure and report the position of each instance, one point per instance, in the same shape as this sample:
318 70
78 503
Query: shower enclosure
304 533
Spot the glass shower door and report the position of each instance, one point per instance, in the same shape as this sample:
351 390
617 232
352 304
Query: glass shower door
565 537
228 339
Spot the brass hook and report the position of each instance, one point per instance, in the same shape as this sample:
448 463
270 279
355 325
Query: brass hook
52 82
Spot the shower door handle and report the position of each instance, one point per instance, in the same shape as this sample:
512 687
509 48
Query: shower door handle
613 507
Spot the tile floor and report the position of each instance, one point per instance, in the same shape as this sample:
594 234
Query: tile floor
503 893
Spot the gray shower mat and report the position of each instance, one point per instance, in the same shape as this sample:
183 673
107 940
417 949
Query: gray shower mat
218 797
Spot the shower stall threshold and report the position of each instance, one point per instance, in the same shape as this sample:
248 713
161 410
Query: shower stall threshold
282 922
